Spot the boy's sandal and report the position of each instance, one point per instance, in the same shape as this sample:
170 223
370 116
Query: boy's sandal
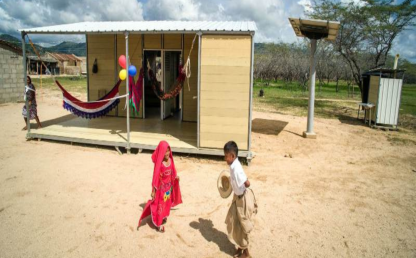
161 229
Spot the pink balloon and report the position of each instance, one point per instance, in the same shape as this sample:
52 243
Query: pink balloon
122 61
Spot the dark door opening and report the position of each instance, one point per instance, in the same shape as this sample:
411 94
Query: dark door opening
151 101
171 107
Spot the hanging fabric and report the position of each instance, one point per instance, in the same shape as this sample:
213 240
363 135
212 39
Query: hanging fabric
92 109
136 92
175 89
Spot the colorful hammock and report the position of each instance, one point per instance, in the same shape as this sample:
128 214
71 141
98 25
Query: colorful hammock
175 89
92 109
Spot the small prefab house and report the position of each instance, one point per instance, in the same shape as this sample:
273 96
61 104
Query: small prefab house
213 107
383 89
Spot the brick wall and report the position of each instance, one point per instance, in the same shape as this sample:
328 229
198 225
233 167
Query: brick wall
11 76
73 70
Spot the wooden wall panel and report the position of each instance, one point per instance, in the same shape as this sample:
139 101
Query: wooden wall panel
152 41
172 41
101 47
225 90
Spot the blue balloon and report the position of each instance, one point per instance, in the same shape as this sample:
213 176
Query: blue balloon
132 70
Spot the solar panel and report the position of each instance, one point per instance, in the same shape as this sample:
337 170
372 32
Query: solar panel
315 29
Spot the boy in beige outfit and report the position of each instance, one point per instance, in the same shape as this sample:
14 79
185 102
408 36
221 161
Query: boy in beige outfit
240 216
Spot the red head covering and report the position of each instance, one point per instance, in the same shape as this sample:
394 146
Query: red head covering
157 158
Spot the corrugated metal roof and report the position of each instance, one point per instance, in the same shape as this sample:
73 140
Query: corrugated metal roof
43 58
64 57
147 27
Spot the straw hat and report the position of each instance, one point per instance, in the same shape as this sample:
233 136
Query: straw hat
224 184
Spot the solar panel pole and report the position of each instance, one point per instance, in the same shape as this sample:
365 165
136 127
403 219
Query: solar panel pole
311 103
127 90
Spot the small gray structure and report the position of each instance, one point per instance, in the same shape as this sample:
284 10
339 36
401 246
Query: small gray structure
383 89
11 72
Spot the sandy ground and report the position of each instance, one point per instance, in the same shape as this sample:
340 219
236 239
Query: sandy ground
350 193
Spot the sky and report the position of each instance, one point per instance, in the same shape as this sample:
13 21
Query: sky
271 16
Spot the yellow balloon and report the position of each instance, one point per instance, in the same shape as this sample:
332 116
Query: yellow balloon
122 74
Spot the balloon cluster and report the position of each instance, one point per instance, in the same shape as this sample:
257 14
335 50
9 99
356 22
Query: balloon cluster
123 73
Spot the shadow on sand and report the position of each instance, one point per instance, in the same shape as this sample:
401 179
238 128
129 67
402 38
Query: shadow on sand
267 126
211 234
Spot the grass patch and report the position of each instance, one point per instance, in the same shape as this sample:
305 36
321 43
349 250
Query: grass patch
294 90
292 99
73 84
394 140
408 101
402 137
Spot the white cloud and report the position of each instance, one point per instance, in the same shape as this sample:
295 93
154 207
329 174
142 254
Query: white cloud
271 16
37 13
406 48
173 9
41 13
307 5
357 2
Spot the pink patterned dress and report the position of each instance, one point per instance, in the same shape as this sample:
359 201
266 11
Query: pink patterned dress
163 202
168 193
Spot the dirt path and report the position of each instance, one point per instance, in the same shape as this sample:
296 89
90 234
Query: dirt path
350 193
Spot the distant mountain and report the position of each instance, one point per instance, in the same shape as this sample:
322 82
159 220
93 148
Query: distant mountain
9 38
78 49
17 42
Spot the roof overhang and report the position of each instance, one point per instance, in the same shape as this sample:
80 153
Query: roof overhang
11 47
315 29
148 27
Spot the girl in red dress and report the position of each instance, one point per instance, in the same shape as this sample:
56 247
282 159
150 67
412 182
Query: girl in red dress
166 192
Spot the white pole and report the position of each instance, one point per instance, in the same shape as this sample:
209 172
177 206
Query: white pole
127 91
396 59
199 91
250 108
311 104
25 83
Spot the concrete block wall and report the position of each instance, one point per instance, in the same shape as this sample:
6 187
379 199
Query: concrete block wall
11 76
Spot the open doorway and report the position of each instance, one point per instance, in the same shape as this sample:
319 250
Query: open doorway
165 65
171 107
153 58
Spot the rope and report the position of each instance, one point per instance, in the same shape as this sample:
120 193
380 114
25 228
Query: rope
187 66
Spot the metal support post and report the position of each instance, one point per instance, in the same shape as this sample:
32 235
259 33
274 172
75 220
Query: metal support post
311 104
127 90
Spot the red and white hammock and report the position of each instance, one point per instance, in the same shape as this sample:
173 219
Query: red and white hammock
91 109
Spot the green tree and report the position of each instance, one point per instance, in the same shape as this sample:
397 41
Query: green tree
368 29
